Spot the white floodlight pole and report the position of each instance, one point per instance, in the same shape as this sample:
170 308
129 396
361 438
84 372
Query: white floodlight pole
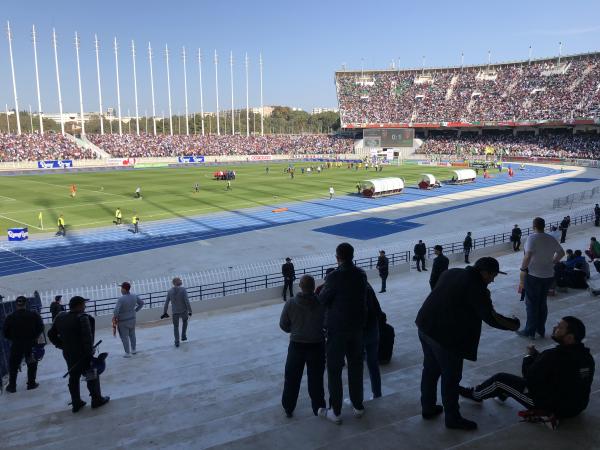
60 106
247 101
79 83
201 90
169 90
185 92
217 91
135 90
152 89
529 60
12 68
559 53
118 87
97 47
232 104
262 109
37 79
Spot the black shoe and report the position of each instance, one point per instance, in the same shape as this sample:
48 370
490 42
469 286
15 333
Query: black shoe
76 406
381 292
176 344
461 424
101 402
31 386
184 338
419 270
11 389
424 269
468 393
436 411
289 414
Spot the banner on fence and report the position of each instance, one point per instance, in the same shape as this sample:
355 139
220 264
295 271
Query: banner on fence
190 159
121 161
55 164
18 234
260 157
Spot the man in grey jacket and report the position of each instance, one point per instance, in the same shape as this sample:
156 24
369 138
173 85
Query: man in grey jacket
180 308
125 310
303 317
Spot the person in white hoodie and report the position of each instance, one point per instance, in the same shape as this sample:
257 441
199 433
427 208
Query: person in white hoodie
124 315
180 308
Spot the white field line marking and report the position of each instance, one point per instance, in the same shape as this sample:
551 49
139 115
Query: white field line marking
7 199
24 257
21 222
107 202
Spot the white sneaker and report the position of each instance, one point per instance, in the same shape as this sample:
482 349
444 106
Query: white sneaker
330 415
358 413
322 412
127 355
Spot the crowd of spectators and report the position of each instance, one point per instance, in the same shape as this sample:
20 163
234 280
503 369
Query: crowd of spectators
35 147
545 145
523 91
147 145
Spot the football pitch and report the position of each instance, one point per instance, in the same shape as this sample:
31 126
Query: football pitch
168 192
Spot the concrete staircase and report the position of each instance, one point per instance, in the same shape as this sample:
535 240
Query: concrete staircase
222 388
85 143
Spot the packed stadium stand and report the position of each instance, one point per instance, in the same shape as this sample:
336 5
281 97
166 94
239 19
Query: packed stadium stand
560 89
34 147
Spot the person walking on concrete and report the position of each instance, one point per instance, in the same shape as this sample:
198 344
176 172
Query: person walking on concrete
344 295
22 328
440 265
56 307
542 252
467 247
73 333
180 309
420 252
563 227
515 238
289 275
303 317
383 264
125 311
449 324
597 215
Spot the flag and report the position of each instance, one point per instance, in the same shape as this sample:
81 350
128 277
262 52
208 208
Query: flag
40 216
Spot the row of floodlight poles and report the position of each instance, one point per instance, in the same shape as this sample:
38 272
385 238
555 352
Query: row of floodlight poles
133 55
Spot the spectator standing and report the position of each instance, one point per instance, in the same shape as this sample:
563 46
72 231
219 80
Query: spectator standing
345 298
56 307
22 328
563 227
289 275
449 324
597 215
180 309
515 237
383 264
420 252
303 317
73 333
125 311
467 246
542 252
440 265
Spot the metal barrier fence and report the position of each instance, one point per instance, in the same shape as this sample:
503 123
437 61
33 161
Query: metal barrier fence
209 291
578 197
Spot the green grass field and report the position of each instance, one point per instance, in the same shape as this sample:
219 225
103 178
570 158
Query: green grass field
169 193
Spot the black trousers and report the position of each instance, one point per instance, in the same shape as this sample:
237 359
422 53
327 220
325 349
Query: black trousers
288 283
18 351
516 244
439 362
350 345
467 253
312 356
383 281
420 261
597 221
77 368
563 235
504 385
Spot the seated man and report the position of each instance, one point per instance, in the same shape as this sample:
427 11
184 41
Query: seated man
578 259
594 251
556 381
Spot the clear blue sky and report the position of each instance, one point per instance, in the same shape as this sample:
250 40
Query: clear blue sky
303 43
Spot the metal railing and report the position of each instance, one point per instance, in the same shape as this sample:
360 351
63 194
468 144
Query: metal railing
99 307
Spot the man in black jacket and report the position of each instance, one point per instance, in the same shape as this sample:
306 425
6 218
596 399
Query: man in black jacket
73 333
289 275
383 267
449 325
515 237
563 227
22 328
440 265
56 307
597 215
344 295
556 381
467 246
420 251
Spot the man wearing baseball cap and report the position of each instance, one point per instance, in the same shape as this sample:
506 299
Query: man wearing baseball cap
125 311
449 324
56 307
289 275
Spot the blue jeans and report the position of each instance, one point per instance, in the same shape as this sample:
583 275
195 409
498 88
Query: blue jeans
536 303
372 356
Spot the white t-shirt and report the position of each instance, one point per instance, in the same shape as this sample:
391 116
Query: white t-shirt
542 247
331 191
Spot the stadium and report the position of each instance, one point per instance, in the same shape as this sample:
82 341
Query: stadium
429 153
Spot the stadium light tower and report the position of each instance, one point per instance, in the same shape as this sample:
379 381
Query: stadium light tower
462 60
152 89
135 90
201 91
37 79
118 87
79 83
217 91
60 105
97 48
232 105
489 59
423 63
12 69
247 101
559 54
262 108
529 60
185 92
169 90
